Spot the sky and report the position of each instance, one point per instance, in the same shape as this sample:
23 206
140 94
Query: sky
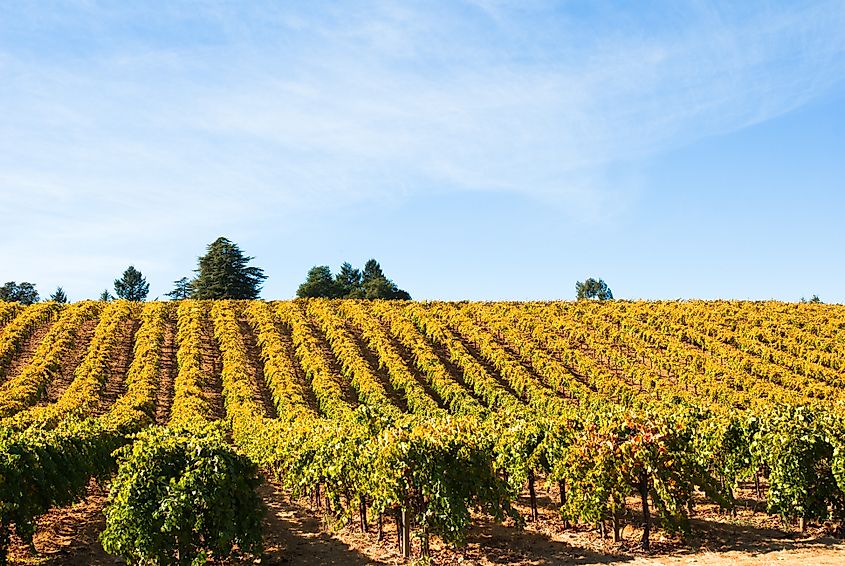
479 149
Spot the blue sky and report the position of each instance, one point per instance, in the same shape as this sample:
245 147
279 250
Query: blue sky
480 149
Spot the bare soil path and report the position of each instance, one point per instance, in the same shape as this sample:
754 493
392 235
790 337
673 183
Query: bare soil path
261 391
297 535
119 363
70 362
69 535
26 351
168 369
212 367
284 332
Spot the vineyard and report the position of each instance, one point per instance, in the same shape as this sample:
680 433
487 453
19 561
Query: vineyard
413 421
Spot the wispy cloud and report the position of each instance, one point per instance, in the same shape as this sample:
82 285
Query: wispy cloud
186 119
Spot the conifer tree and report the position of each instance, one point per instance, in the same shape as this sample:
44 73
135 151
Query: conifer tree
372 270
320 283
131 286
182 289
349 281
223 273
376 285
59 296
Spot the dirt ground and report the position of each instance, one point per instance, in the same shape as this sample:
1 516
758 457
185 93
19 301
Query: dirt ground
296 535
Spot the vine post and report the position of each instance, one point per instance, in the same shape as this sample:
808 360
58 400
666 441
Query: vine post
362 501
535 515
643 489
562 486
406 533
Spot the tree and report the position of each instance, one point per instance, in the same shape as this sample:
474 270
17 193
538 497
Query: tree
223 273
377 286
593 289
349 281
815 300
24 293
320 283
372 270
182 289
384 288
105 296
131 286
59 296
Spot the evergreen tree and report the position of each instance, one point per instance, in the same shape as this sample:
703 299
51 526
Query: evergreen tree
349 282
376 285
372 270
131 286
593 289
59 296
182 289
384 288
105 296
400 294
320 283
24 293
223 274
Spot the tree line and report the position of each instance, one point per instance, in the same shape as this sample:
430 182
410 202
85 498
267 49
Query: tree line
351 283
224 272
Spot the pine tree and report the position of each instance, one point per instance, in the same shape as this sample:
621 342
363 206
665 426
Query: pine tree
105 296
320 283
59 296
376 285
131 286
372 270
182 289
223 274
349 281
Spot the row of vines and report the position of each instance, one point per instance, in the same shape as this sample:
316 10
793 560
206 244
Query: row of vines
426 413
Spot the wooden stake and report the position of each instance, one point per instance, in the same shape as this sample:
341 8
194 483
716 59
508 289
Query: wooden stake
406 534
398 517
533 495
562 487
643 488
362 502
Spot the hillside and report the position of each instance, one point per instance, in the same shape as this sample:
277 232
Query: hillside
512 381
